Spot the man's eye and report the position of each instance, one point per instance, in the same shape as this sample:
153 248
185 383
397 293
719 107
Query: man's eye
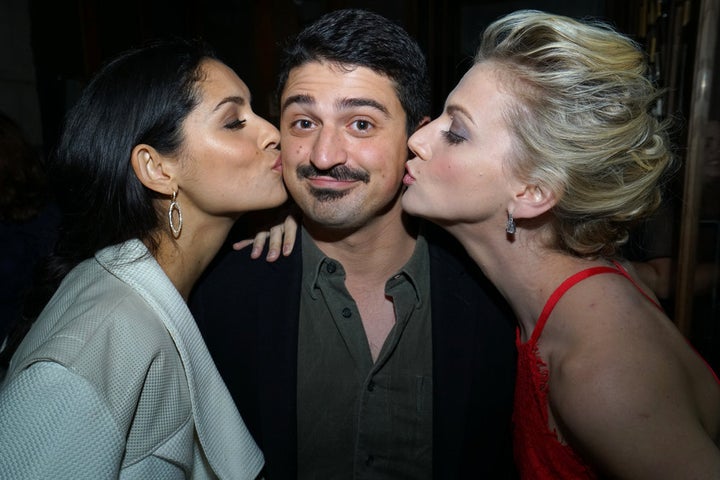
361 125
303 124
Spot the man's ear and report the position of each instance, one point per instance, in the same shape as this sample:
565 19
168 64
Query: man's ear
153 169
532 201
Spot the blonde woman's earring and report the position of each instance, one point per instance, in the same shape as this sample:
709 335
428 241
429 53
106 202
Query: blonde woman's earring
510 225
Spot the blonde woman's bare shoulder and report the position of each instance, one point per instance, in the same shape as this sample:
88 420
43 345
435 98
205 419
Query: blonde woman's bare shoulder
620 386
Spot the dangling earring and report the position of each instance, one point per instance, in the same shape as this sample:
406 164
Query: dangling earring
510 225
174 206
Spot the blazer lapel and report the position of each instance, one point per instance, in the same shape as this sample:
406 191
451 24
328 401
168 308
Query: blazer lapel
226 442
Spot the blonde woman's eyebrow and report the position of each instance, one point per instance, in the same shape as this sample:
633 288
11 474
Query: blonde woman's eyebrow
453 109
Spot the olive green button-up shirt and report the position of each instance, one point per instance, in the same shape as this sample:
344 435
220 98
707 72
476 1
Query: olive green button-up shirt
358 419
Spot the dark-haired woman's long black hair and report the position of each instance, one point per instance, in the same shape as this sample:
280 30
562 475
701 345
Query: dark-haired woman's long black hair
141 96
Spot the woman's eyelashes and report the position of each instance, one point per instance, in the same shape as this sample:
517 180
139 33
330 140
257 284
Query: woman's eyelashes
452 138
235 124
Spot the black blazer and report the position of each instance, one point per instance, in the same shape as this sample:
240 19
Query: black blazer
247 311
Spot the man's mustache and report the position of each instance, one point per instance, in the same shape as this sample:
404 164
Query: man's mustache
338 172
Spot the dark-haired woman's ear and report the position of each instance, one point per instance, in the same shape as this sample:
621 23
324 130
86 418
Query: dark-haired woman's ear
154 170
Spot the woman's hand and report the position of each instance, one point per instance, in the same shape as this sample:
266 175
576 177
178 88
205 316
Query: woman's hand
281 235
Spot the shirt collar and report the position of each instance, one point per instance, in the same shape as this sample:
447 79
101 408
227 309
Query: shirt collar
416 270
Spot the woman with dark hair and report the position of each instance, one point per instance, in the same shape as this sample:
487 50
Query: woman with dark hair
546 153
159 157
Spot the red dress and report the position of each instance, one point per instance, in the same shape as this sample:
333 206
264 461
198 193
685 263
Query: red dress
538 452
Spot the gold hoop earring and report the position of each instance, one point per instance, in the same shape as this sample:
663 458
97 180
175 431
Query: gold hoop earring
174 207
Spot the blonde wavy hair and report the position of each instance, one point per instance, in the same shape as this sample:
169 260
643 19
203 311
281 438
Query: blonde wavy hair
582 124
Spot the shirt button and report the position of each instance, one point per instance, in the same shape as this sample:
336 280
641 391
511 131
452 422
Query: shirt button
331 267
371 386
346 312
369 460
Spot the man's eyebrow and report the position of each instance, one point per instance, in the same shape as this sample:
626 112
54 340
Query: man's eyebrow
342 104
347 103
301 99
232 99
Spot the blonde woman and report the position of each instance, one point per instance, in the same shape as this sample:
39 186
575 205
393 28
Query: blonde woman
543 157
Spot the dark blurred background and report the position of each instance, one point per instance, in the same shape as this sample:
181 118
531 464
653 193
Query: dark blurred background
49 48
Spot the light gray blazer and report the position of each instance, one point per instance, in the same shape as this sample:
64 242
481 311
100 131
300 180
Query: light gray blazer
114 381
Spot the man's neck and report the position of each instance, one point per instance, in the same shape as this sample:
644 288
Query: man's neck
377 249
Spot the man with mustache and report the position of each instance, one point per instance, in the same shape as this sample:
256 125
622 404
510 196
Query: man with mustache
377 349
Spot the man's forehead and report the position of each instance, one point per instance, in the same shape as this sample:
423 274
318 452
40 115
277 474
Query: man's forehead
316 74
342 86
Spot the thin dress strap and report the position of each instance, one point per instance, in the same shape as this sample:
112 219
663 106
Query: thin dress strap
577 278
564 287
632 280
